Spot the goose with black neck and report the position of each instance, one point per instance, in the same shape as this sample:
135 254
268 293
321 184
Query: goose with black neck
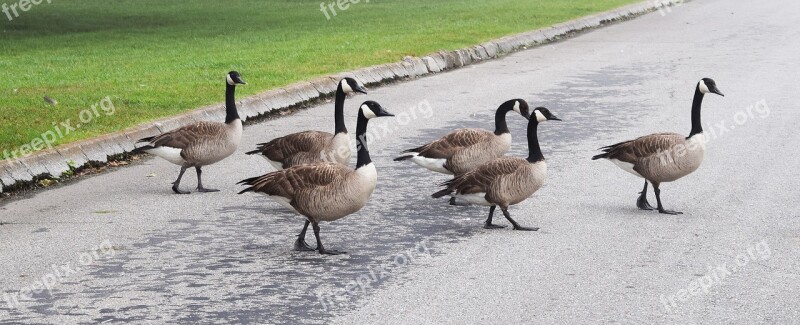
504 181
663 157
202 143
324 191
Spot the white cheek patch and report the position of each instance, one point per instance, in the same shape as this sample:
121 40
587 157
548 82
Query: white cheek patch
539 116
703 87
230 80
516 107
368 113
346 87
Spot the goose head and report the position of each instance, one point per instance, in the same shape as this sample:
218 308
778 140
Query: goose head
707 85
543 114
349 85
371 109
234 78
520 106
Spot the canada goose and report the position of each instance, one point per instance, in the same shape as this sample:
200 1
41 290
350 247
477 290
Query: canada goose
314 146
504 181
324 191
663 157
463 150
202 143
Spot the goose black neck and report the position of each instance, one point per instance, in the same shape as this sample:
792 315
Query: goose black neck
500 126
231 114
697 125
338 115
361 141
534 152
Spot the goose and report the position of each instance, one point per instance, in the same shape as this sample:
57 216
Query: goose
504 181
324 191
202 143
663 157
314 146
463 150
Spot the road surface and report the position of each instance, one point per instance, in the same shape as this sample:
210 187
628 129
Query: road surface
120 247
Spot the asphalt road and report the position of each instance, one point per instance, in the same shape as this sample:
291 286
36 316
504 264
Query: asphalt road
121 247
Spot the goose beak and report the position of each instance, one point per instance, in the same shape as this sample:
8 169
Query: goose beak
383 112
238 80
554 118
361 89
715 90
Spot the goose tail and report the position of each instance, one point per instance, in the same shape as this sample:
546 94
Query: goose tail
142 149
403 157
441 193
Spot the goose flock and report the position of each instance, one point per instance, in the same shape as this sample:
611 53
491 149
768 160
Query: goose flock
312 176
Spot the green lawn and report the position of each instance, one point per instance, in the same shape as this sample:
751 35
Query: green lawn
159 58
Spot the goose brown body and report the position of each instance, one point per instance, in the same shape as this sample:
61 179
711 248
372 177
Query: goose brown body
503 181
307 147
463 150
660 157
200 144
321 192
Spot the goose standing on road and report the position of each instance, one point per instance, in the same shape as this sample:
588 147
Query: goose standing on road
504 181
463 150
314 146
202 143
663 157
324 191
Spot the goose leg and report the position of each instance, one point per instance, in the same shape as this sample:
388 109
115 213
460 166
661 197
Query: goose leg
300 244
200 187
177 183
488 224
660 206
642 203
516 225
321 248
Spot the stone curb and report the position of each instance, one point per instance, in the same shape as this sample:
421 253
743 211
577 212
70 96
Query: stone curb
54 162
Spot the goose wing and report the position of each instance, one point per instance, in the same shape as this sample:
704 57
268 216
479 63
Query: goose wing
183 137
288 182
480 179
285 147
643 147
453 142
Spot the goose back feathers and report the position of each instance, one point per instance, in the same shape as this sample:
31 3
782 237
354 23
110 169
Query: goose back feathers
321 192
314 146
503 181
465 149
199 144
659 157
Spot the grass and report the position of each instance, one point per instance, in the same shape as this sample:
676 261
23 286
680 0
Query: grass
156 58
